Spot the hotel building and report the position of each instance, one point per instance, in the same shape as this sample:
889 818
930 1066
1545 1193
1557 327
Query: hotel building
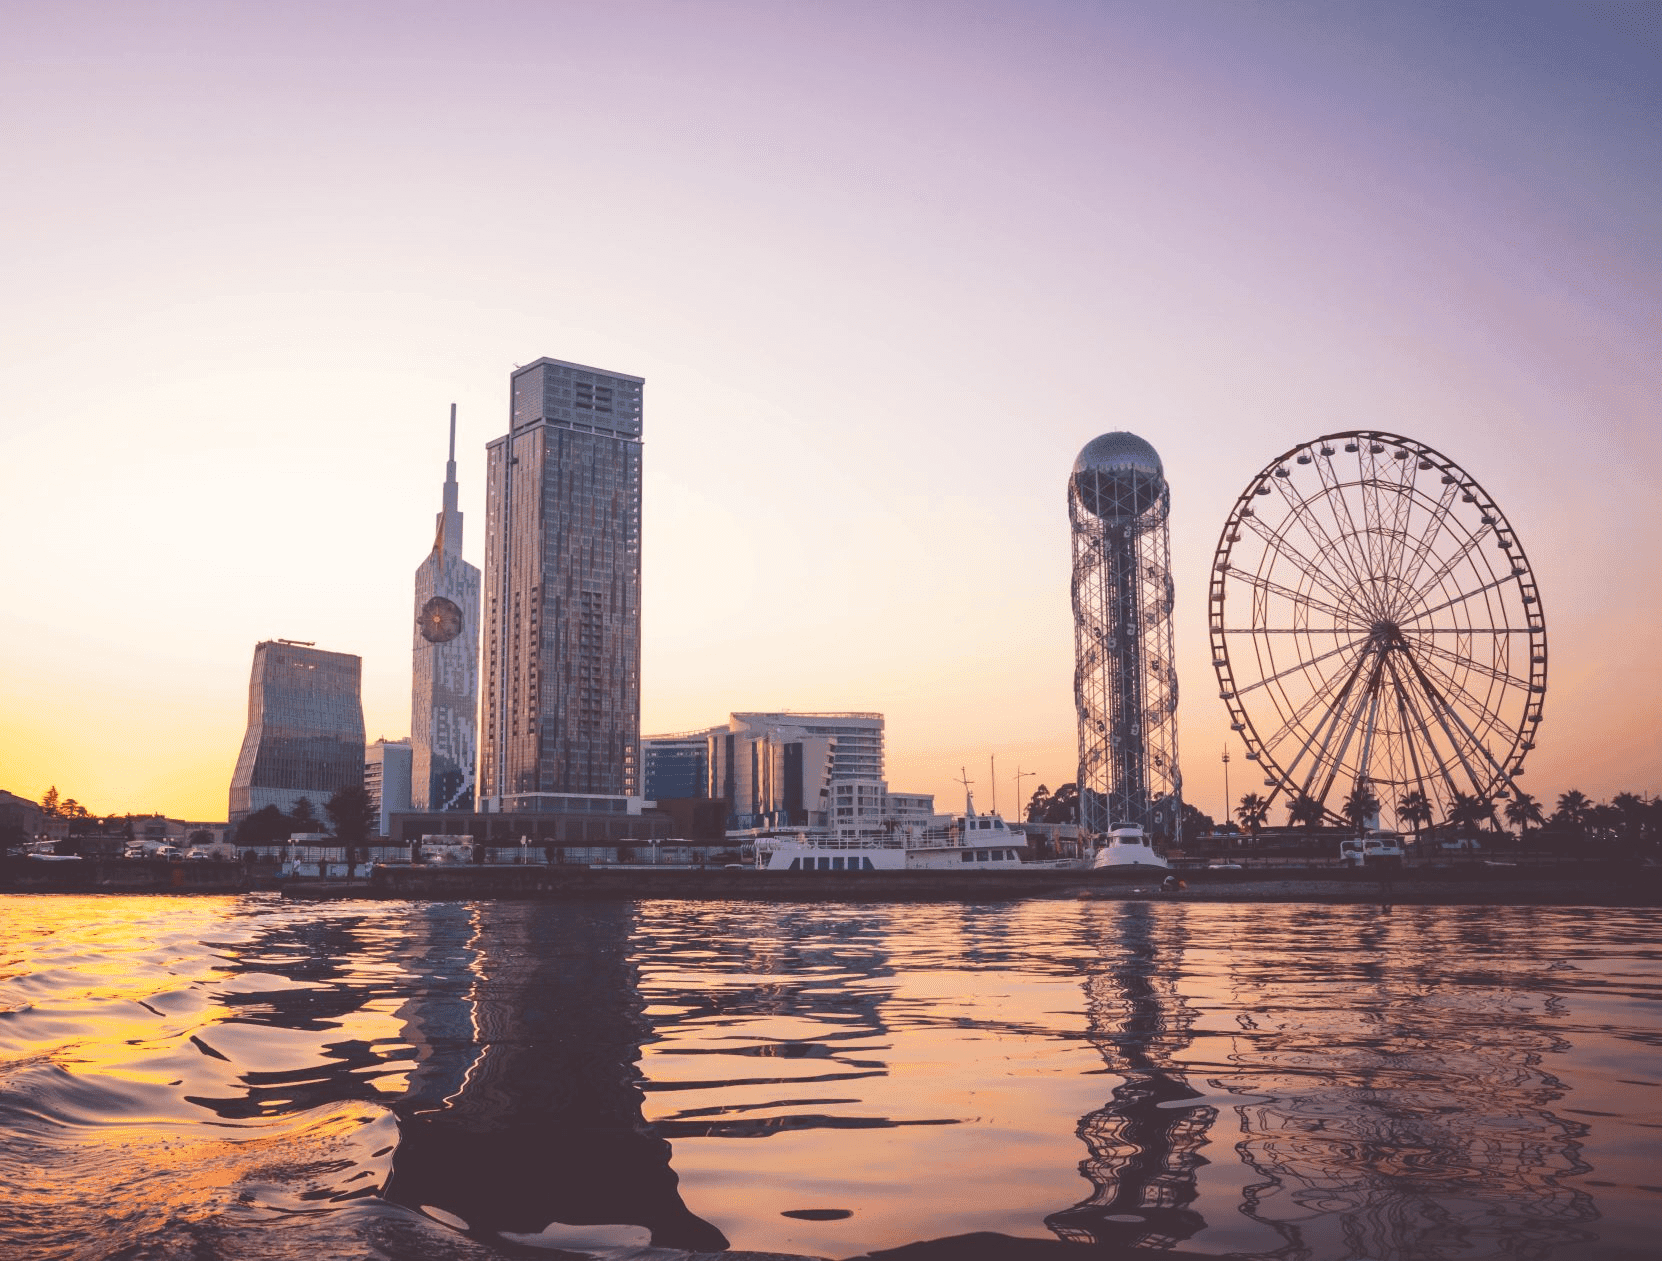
562 592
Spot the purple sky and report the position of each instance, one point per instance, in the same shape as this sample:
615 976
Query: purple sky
885 267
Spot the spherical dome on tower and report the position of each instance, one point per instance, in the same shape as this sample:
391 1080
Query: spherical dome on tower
1118 477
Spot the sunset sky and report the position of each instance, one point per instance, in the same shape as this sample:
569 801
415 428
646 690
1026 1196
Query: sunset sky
885 267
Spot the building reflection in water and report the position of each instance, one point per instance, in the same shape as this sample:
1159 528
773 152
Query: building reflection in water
531 1115
1400 1104
1145 1144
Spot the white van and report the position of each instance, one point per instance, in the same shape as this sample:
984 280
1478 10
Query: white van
1372 849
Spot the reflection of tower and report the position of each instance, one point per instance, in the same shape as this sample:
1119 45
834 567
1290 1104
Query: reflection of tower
1145 1145
445 692
543 1123
1124 683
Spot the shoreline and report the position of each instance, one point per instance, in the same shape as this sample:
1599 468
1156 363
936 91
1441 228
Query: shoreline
1577 884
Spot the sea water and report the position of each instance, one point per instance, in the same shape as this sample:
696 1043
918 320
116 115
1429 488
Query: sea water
251 1078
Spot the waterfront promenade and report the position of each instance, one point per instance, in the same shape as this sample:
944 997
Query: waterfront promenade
1560 884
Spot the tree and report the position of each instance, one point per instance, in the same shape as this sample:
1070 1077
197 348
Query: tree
201 837
1195 823
1633 810
355 819
1415 806
1523 810
1361 805
1306 810
1064 805
266 826
1252 810
304 816
1572 811
1038 805
1467 810
49 803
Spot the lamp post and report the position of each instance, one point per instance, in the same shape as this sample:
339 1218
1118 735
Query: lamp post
1226 817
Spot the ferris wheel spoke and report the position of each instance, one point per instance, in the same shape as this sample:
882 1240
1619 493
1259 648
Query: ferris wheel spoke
1297 598
1296 721
1334 764
1488 671
1413 721
1436 520
1297 666
1330 720
1304 512
1281 547
1449 565
1463 596
1334 493
1445 711
1453 694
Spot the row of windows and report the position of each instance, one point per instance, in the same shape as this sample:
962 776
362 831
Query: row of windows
830 864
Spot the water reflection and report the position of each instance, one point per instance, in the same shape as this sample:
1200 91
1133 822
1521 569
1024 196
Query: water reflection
544 1124
246 1078
1403 1108
1145 1144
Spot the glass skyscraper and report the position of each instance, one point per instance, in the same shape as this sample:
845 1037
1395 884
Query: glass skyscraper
444 702
562 598
305 728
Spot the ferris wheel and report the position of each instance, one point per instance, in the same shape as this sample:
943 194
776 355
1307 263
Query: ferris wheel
1377 631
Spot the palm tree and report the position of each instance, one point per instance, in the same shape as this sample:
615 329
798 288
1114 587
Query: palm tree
1466 811
1415 806
1633 809
1305 810
1572 811
1252 812
1523 810
1361 805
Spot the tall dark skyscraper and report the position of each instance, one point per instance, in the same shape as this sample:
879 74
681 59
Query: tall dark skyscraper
444 701
562 598
305 728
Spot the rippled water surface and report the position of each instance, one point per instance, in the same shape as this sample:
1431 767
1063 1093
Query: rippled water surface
240 1077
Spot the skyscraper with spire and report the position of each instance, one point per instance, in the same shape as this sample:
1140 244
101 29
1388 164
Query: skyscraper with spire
445 697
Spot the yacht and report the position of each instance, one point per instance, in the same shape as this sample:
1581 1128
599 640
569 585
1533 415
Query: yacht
1127 846
959 842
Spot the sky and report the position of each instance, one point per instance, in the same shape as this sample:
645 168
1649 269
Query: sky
885 268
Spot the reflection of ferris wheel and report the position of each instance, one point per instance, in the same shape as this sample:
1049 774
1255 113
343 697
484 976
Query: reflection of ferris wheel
1376 627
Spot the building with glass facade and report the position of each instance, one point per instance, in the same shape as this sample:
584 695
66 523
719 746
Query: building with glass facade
305 728
387 779
562 592
676 766
444 698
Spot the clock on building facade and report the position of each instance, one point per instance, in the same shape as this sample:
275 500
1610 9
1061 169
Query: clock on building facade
440 620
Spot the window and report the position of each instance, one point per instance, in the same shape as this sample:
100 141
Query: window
968 856
796 865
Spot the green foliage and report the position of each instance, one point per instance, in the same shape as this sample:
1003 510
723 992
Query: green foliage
1252 810
1305 810
1360 805
1415 807
49 803
1063 806
266 826
304 816
201 837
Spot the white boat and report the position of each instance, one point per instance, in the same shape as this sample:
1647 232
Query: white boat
1127 846
960 842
